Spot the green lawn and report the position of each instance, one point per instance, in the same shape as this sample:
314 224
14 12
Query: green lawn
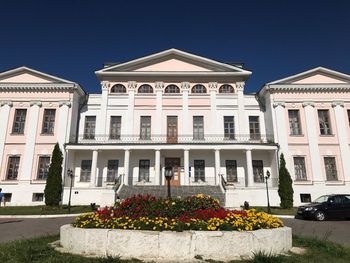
37 250
277 210
42 210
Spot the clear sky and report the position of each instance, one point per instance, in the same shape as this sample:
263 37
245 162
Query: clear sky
72 39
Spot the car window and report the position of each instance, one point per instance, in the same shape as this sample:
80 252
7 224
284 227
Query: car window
321 199
346 199
335 199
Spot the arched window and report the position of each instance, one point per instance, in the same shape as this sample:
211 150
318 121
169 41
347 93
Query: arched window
199 88
226 88
145 88
172 89
118 88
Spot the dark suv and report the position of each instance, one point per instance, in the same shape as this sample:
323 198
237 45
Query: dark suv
326 206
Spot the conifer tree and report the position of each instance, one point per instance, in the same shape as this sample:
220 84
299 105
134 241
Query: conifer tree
53 188
285 186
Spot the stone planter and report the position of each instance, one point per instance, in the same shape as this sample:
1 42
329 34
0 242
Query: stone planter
173 246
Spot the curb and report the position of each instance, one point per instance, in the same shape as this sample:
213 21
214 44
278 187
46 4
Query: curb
285 216
38 216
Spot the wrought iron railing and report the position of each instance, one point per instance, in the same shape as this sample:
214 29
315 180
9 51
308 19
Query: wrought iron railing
164 139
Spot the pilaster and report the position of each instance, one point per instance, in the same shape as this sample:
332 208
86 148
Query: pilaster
159 107
101 121
185 86
5 108
242 128
130 114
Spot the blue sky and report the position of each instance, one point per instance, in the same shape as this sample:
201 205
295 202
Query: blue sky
72 39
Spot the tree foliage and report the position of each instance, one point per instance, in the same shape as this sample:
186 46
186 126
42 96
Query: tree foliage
285 186
53 188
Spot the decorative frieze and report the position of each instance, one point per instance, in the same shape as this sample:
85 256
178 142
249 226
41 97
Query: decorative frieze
159 85
185 86
240 85
35 103
64 103
308 103
213 86
105 85
338 103
279 103
132 85
6 102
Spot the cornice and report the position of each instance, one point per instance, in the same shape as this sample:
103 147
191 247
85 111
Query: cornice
279 103
35 103
6 102
308 103
338 103
309 87
240 85
64 103
44 87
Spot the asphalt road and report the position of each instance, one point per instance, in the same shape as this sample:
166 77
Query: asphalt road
11 229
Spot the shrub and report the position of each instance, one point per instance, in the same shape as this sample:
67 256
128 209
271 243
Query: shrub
285 187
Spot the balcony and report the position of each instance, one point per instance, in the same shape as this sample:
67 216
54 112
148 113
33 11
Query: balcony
164 139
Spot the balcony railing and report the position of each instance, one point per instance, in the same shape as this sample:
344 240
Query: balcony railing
164 139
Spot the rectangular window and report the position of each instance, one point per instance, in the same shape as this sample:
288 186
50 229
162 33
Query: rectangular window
89 129
12 168
115 127
144 166
85 172
7 197
43 167
331 168
38 197
112 170
294 122
145 128
231 170
199 170
349 117
198 128
229 127
325 125
19 121
49 121
258 171
305 198
299 168
254 128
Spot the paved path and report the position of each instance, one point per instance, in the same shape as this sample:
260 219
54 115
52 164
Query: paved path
337 231
16 228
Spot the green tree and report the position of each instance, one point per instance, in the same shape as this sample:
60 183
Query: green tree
285 186
53 188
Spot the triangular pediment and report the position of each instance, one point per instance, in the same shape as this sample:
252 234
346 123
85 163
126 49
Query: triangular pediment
316 76
27 75
172 60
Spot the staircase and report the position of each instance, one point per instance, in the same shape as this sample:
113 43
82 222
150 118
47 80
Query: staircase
161 191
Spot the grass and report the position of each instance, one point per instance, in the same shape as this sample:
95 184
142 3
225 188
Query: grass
277 210
42 210
37 250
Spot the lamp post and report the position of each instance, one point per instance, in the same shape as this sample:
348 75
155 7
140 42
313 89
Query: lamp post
70 174
267 176
168 173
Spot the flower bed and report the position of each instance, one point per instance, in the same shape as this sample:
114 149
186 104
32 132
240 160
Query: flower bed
192 213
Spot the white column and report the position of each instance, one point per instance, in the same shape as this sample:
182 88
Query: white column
30 131
130 113
342 137
250 176
242 129
4 120
282 133
63 114
214 120
187 166
159 108
157 166
217 167
126 166
313 134
101 122
185 116
94 168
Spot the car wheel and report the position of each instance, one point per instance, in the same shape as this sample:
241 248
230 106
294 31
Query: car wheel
320 216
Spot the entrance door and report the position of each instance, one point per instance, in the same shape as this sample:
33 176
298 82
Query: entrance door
175 164
171 129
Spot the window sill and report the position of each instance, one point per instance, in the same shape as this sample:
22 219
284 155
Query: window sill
47 134
17 134
6 181
327 135
334 182
303 182
38 181
296 135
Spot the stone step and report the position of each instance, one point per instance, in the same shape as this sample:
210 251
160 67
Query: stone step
161 191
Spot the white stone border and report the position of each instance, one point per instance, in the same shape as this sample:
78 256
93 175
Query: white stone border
40 216
172 246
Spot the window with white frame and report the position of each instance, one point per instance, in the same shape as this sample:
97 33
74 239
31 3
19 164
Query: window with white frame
48 121
112 170
254 128
294 122
172 89
231 171
144 166
118 88
226 88
145 88
324 122
330 168
198 128
229 127
258 171
299 168
89 129
19 121
85 171
43 167
199 88
115 127
12 168
199 170
38 197
145 127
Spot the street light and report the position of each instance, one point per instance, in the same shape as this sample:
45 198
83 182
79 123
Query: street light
267 192
70 174
168 173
